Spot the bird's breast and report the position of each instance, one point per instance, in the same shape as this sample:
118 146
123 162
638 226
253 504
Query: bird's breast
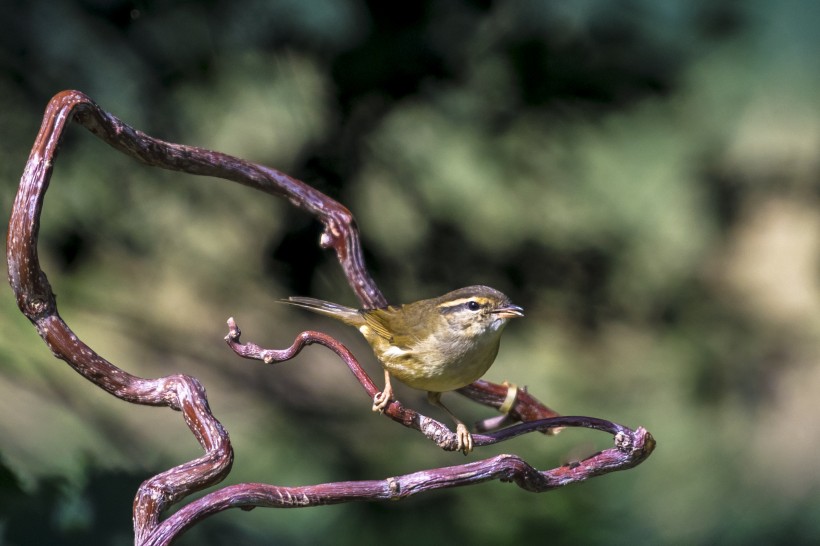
439 365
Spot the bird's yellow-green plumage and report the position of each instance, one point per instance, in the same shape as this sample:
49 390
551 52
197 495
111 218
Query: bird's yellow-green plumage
437 345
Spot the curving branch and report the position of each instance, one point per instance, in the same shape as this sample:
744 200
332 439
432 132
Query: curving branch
36 300
629 451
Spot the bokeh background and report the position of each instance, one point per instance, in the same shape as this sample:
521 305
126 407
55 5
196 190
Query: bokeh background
641 176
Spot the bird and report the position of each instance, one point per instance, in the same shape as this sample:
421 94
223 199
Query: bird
435 345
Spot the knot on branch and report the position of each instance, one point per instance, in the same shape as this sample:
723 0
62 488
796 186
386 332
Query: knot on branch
38 306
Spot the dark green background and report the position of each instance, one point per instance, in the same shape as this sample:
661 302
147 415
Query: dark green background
641 176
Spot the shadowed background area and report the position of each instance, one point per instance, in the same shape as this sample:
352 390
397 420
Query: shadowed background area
641 176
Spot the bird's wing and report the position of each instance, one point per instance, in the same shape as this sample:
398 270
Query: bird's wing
379 321
403 329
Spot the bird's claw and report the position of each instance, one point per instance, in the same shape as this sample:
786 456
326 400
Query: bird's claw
382 400
465 439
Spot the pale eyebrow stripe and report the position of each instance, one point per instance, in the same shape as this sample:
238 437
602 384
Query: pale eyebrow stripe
458 302
452 306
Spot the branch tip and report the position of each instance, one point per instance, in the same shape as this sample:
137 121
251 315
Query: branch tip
233 331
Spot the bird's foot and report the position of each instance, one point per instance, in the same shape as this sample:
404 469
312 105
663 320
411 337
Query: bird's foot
382 399
465 439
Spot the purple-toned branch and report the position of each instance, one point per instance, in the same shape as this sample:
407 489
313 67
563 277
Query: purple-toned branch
630 450
185 394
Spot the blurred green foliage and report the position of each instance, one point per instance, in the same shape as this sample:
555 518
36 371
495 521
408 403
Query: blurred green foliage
641 176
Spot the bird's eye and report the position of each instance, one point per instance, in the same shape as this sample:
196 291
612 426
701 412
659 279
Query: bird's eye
473 305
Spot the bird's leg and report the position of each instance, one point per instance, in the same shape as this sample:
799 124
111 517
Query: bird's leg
465 439
382 399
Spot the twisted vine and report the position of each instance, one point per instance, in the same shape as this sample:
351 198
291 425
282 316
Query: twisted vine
185 394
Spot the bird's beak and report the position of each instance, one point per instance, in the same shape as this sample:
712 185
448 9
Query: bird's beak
510 311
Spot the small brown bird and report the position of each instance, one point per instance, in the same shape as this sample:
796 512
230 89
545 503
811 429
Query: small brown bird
437 345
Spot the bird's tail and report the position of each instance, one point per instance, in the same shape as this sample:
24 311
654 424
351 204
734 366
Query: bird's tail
348 315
